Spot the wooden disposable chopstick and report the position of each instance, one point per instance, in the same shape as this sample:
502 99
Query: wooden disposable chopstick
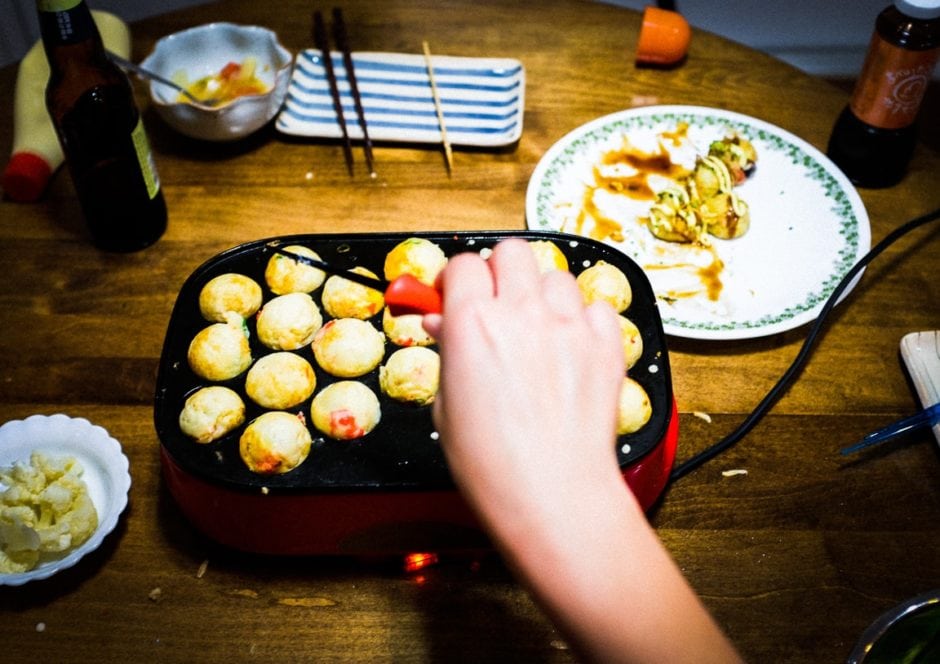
342 41
448 153
321 42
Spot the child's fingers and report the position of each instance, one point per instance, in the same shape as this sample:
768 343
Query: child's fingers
515 271
562 295
466 277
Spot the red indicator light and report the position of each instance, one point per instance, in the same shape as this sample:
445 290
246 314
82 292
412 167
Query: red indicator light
417 561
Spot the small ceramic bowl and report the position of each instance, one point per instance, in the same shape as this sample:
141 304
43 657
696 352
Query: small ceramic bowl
203 51
905 633
105 475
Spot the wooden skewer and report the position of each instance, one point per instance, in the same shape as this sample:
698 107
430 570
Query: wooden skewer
448 153
321 42
339 33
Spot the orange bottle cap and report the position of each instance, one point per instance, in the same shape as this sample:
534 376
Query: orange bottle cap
664 37
25 177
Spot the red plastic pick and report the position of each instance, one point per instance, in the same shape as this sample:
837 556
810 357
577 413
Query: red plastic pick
407 295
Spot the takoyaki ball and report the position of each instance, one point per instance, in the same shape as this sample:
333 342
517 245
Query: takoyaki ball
343 298
230 292
634 409
220 351
211 412
274 443
411 375
632 341
416 256
284 274
348 347
280 380
710 177
737 153
288 322
726 216
406 330
603 281
548 256
672 218
345 410
676 225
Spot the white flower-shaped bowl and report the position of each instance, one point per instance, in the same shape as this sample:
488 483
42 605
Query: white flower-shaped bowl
203 51
105 474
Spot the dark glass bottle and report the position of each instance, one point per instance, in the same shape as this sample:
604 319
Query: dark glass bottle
873 139
92 106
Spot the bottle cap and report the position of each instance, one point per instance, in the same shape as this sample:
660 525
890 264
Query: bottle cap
664 37
922 9
25 177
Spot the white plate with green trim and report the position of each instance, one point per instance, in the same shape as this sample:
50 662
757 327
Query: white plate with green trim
808 225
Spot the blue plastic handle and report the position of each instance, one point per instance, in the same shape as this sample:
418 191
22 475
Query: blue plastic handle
927 417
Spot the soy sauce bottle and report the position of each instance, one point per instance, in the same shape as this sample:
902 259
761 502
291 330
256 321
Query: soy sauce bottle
873 139
91 103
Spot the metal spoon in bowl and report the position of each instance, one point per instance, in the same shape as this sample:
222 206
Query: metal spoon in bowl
127 65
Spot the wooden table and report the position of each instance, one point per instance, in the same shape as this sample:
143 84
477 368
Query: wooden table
795 558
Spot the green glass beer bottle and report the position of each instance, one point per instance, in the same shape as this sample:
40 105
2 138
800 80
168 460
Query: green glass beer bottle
91 103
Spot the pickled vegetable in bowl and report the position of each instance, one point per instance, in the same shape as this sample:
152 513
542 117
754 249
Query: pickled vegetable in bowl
233 80
240 71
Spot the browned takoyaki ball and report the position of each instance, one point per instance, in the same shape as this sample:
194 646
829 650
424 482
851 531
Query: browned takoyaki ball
275 442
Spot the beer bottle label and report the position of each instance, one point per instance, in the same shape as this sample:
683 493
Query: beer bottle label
145 158
65 21
57 5
892 84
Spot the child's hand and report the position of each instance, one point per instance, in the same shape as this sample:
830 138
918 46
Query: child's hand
526 411
529 385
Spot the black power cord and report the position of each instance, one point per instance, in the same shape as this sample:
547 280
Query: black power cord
779 388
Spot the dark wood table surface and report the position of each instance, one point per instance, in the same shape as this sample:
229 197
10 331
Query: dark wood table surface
795 558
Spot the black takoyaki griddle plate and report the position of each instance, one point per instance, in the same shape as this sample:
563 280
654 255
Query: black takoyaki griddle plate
402 452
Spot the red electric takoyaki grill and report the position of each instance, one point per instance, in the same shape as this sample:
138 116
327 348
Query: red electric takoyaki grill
390 491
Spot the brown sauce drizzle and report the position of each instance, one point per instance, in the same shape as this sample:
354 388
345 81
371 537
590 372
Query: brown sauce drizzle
710 277
604 226
645 163
636 186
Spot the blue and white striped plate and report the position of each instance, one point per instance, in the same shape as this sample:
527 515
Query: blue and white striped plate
482 98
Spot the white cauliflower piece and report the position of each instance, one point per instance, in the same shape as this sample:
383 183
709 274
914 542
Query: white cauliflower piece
55 538
54 499
82 519
44 509
12 562
52 468
19 536
28 478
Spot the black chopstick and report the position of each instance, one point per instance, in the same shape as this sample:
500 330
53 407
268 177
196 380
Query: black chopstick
321 42
365 280
405 295
342 41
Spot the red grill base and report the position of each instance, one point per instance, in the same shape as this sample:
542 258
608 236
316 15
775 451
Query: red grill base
365 522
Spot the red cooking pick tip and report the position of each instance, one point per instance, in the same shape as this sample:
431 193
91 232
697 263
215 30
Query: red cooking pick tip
407 295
